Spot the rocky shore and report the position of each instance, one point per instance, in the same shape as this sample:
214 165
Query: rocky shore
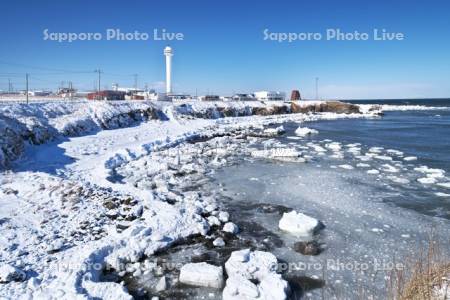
147 199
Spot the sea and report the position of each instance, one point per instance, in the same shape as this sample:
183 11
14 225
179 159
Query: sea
380 186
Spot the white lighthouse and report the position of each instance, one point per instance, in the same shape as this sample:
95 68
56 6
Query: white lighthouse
168 54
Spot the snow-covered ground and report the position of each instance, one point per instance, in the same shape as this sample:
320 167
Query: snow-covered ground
77 198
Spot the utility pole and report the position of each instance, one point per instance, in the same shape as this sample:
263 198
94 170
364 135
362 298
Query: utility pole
135 81
99 81
317 88
9 86
26 75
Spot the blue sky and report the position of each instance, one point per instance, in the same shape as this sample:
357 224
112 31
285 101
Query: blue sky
224 50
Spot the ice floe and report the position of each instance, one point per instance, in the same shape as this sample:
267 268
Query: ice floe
202 274
298 223
305 131
252 275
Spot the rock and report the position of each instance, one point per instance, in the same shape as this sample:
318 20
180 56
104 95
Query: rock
305 131
224 216
307 248
10 191
231 228
252 275
10 273
328 106
161 285
219 242
202 274
298 223
55 246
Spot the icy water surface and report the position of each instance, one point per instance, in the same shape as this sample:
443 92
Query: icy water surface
361 181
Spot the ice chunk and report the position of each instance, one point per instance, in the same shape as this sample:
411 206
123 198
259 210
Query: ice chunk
373 172
439 194
426 180
298 223
347 167
444 184
275 131
219 242
252 275
275 153
363 165
202 274
383 157
212 220
231 228
410 158
224 216
305 131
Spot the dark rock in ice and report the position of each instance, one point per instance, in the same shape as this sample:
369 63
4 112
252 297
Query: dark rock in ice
307 248
301 284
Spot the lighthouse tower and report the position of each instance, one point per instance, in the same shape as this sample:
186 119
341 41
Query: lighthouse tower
168 53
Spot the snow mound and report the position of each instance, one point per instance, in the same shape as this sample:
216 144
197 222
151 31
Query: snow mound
202 274
298 223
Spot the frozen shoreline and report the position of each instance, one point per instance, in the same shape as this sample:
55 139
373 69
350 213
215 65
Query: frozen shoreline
89 164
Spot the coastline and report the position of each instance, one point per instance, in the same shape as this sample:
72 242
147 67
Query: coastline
99 173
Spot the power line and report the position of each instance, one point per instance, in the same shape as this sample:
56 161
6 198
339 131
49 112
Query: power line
41 68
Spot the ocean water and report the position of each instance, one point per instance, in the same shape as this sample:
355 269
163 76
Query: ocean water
372 218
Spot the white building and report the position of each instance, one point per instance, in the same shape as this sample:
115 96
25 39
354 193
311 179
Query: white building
270 96
243 97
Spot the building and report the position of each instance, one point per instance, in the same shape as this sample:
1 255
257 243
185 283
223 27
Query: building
168 53
38 93
243 97
106 95
269 96
181 97
67 92
295 95
209 98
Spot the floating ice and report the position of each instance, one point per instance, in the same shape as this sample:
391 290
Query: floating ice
440 194
410 158
276 153
444 185
373 172
275 131
305 131
376 149
394 152
383 157
252 275
202 274
335 146
298 223
231 228
363 165
389 168
346 167
219 242
426 180
398 179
